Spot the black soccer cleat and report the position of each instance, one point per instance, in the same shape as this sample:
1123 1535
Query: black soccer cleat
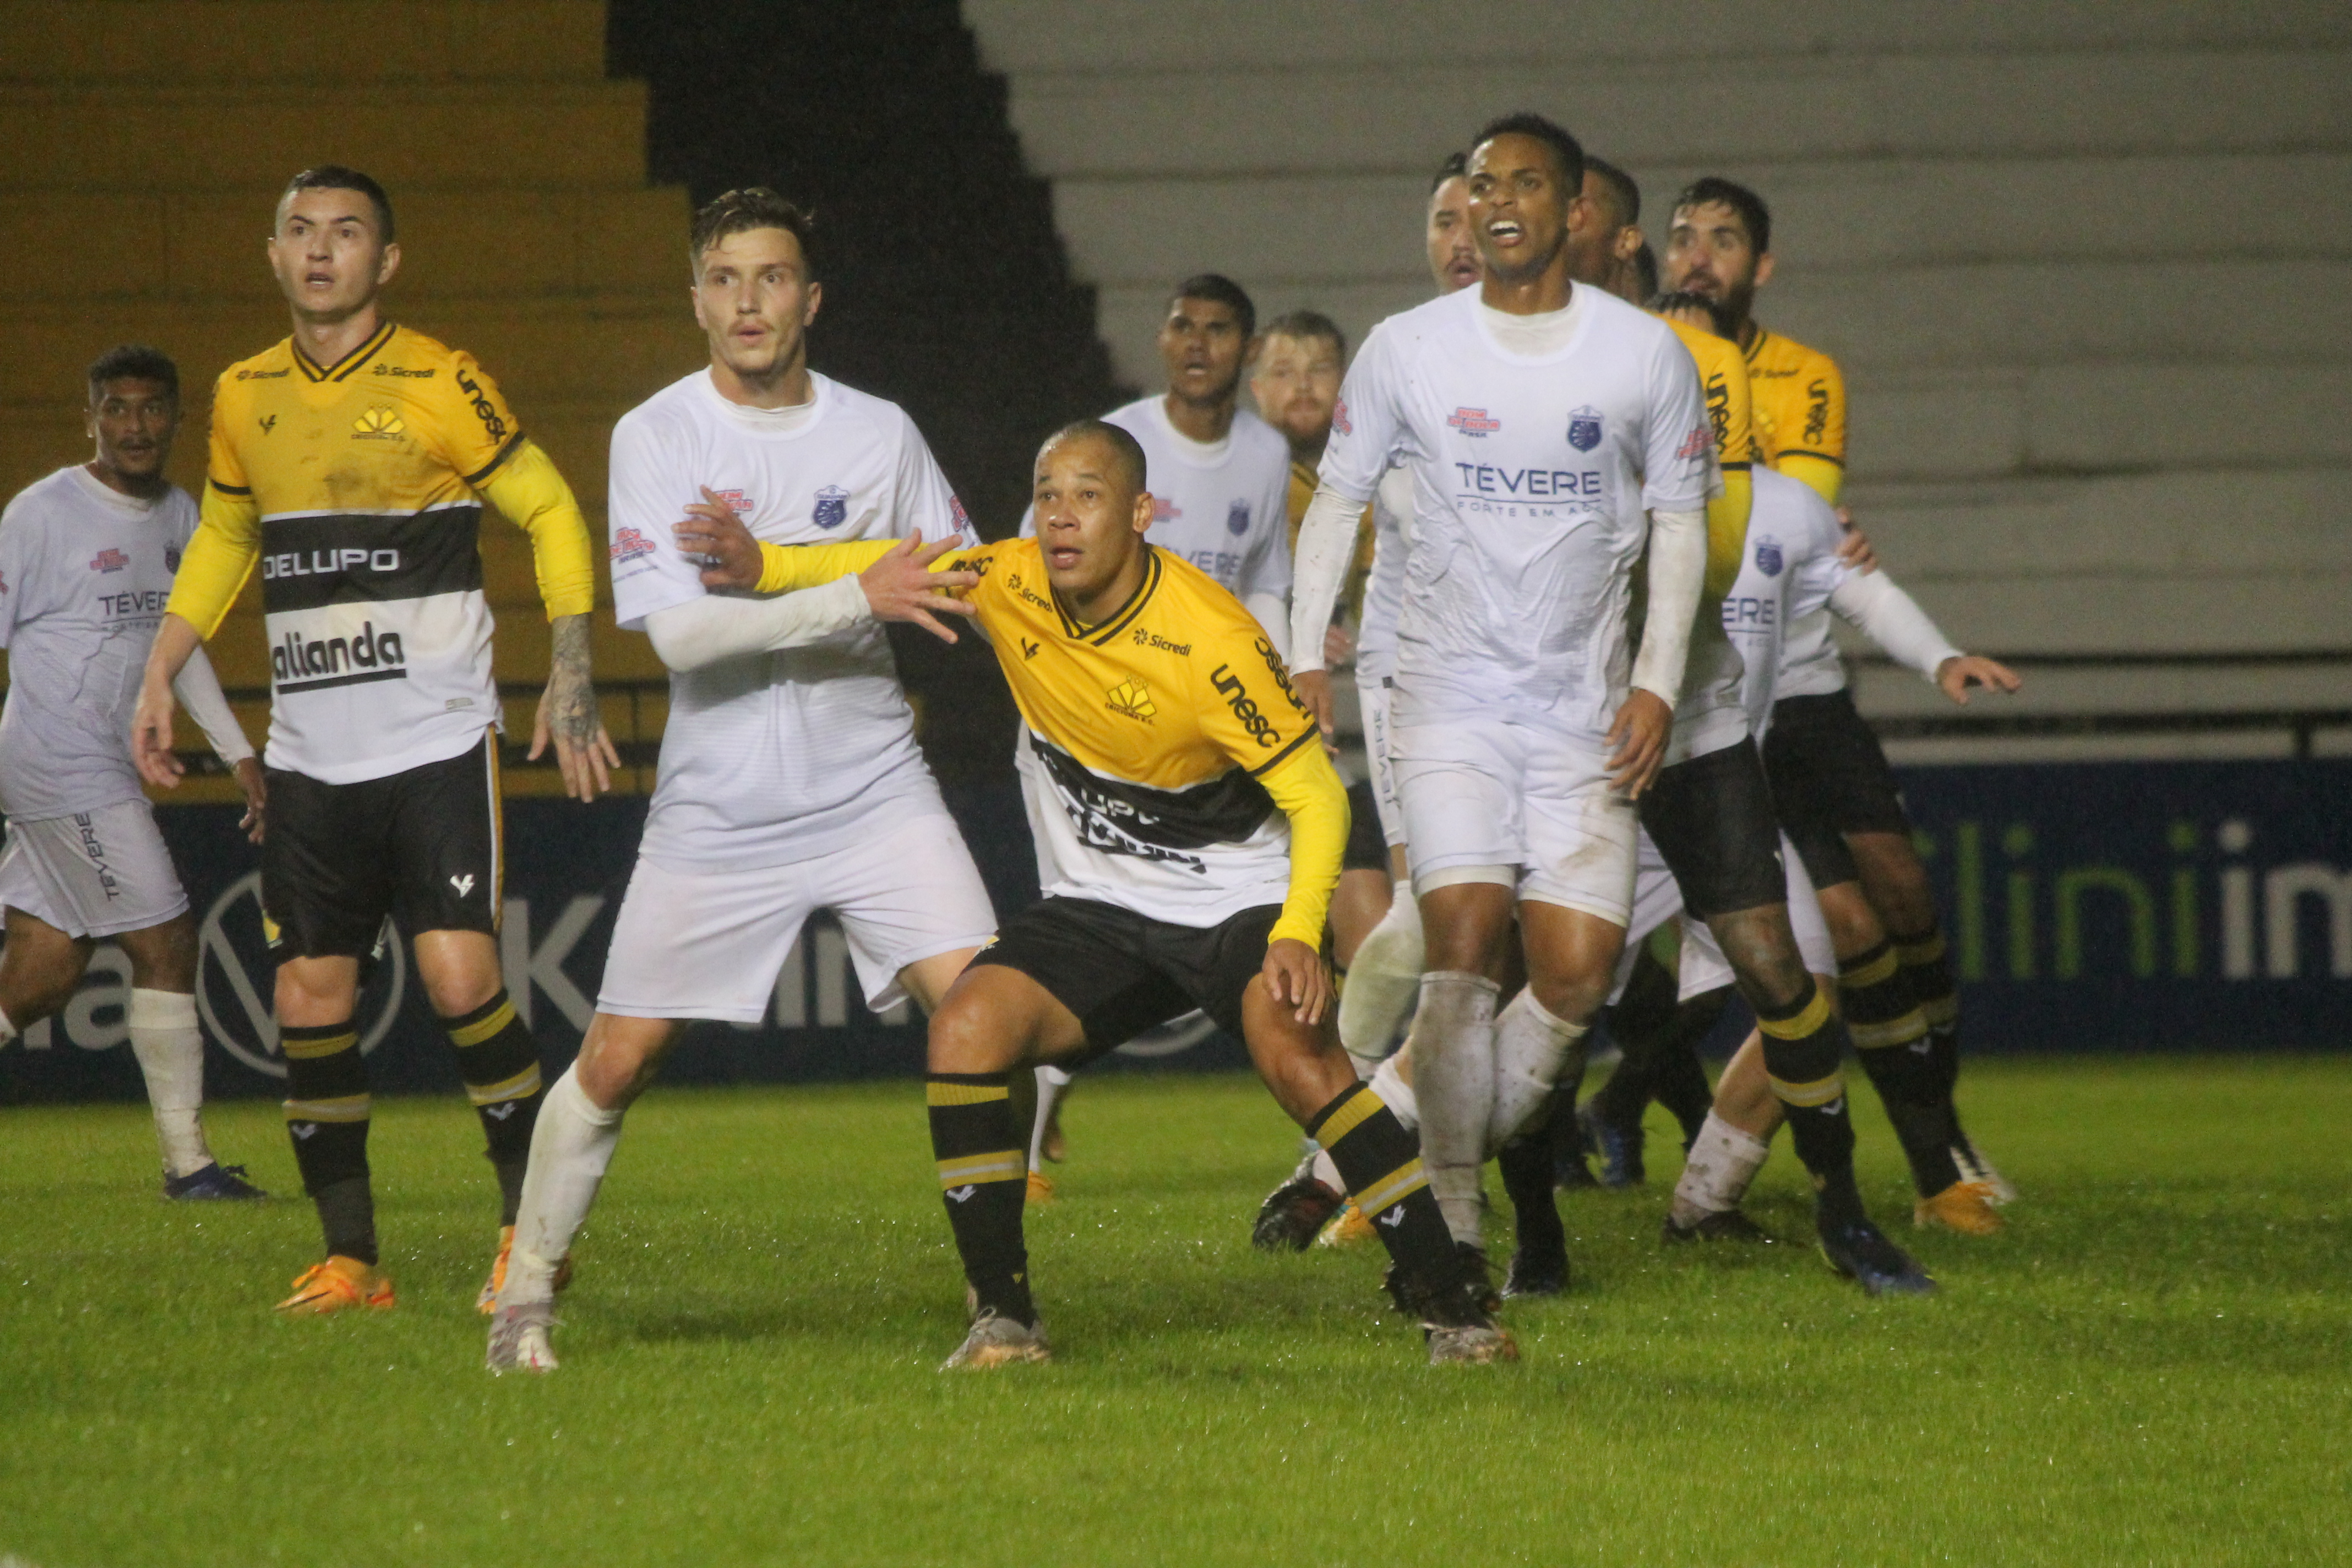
1860 1250
1294 1214
1536 1272
1724 1225
1619 1148
214 1183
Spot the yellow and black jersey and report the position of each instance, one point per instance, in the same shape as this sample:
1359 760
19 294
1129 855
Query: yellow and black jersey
1723 375
357 488
1192 782
1800 399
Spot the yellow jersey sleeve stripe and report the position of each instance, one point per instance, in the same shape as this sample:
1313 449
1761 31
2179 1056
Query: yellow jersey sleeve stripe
1804 452
228 489
1280 757
478 476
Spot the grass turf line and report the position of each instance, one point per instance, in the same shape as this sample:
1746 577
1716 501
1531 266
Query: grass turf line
2149 1368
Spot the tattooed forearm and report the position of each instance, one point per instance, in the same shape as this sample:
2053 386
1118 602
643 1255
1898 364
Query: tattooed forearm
570 700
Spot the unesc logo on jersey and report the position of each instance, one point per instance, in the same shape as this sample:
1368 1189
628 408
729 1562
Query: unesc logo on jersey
381 423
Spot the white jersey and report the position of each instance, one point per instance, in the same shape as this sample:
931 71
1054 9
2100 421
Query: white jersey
770 759
1223 506
84 574
1531 480
1376 629
1786 577
1810 663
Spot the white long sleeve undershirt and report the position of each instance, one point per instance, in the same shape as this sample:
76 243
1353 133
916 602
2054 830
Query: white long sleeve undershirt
1677 578
704 631
1327 543
1893 619
199 691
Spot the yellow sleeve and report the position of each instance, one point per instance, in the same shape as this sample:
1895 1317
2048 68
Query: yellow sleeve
1726 530
1817 456
1823 476
785 568
527 488
474 429
1304 785
227 540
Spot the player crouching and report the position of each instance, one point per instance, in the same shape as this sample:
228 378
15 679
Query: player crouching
1198 841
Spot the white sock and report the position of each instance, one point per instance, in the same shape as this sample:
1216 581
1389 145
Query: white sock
1716 1171
7 1029
1383 982
1533 1052
1388 1082
1453 1078
1325 1170
570 1150
1051 1083
171 1052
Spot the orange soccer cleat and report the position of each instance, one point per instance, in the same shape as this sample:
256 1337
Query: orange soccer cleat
336 1285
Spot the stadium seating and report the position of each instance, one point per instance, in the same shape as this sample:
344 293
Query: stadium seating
2074 258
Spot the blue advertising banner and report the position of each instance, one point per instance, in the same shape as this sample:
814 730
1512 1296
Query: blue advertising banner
2090 907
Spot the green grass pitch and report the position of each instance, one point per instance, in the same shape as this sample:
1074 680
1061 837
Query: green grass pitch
2151 1366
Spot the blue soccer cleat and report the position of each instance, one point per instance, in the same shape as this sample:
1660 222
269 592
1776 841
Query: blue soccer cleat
215 1183
1860 1250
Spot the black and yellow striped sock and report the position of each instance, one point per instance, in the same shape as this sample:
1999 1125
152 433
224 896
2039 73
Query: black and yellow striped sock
1381 1163
499 1062
984 1179
1927 969
1891 1038
327 1109
1804 1057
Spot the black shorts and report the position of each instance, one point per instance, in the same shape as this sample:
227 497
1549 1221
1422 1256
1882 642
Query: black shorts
422 846
1711 817
1830 777
1122 972
1367 849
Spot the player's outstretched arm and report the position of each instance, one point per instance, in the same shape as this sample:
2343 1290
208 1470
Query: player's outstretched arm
1883 612
903 579
1955 675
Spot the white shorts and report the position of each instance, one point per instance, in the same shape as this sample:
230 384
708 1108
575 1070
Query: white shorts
1492 791
1656 901
1374 702
709 945
97 874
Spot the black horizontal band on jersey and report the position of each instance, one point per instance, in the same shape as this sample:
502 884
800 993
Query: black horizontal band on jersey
1223 810
479 475
316 560
1735 468
1275 761
227 489
1807 452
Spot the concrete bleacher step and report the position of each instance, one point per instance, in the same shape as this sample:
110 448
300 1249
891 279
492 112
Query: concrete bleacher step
1887 691
195 138
301 40
455 242
1027 36
1400 115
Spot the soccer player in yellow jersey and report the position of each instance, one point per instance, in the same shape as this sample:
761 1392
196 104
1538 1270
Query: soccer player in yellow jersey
351 464
1196 828
1720 246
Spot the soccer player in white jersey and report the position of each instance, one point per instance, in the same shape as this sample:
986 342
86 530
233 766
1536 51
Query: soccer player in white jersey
1553 432
1792 579
789 781
87 557
1384 974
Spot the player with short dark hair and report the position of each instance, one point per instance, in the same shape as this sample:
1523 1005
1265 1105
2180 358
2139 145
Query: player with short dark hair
790 779
87 557
1720 246
351 463
1196 828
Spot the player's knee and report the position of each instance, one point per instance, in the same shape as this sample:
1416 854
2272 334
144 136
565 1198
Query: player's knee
971 1034
1761 949
167 958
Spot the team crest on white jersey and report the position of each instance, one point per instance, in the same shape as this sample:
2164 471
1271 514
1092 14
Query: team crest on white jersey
1769 559
832 506
1237 519
1584 428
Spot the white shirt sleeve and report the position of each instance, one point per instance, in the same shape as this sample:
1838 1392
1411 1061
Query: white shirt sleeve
199 691
645 501
922 500
20 567
1890 617
1327 542
1678 470
1677 577
1274 615
1369 434
699 632
1266 573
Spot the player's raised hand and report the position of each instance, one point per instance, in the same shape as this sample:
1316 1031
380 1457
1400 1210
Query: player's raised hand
1853 547
1955 675
1295 977
901 586
1640 734
151 737
250 779
715 535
